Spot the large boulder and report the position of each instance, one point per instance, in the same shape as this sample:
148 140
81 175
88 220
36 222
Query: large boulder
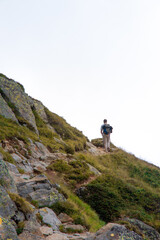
7 231
7 206
40 191
49 218
149 232
6 111
115 231
5 178
14 93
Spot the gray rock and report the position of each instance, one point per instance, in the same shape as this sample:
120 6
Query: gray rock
6 111
43 150
46 230
114 231
40 109
7 206
94 150
39 189
12 168
50 218
14 92
31 231
94 170
6 180
19 217
17 158
147 230
57 236
7 231
39 150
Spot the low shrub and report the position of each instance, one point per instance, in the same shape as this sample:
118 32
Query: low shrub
21 203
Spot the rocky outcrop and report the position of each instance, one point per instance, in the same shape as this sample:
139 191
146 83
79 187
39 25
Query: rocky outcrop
7 231
40 191
31 231
7 206
14 93
5 178
94 150
149 232
39 107
115 231
49 218
6 111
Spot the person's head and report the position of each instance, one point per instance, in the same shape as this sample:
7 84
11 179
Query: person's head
105 121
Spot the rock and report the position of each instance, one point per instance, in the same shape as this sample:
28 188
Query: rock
25 176
64 218
25 235
7 231
145 229
19 217
39 150
73 228
94 170
15 94
6 111
57 236
17 158
50 218
7 147
38 166
6 179
94 150
40 109
31 231
46 230
40 190
26 166
12 168
114 231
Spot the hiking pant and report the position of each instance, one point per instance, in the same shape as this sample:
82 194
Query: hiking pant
106 142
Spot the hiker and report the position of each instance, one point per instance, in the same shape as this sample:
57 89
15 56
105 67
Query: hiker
106 130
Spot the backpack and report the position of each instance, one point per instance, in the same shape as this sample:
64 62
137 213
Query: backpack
107 129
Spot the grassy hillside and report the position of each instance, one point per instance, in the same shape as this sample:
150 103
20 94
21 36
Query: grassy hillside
128 186
64 138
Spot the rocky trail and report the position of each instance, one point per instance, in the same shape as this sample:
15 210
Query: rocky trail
26 178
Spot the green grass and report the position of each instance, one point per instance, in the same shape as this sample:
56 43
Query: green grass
74 171
10 129
21 203
79 211
128 186
72 136
6 156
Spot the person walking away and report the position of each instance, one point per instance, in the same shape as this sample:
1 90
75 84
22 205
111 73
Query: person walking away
106 130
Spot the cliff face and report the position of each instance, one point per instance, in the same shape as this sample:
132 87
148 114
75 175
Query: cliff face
18 102
47 167
26 111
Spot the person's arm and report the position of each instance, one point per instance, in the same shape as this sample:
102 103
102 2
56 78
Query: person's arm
101 130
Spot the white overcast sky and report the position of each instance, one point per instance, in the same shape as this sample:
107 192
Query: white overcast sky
87 60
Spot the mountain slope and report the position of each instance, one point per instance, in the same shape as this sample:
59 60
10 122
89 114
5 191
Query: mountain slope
53 166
